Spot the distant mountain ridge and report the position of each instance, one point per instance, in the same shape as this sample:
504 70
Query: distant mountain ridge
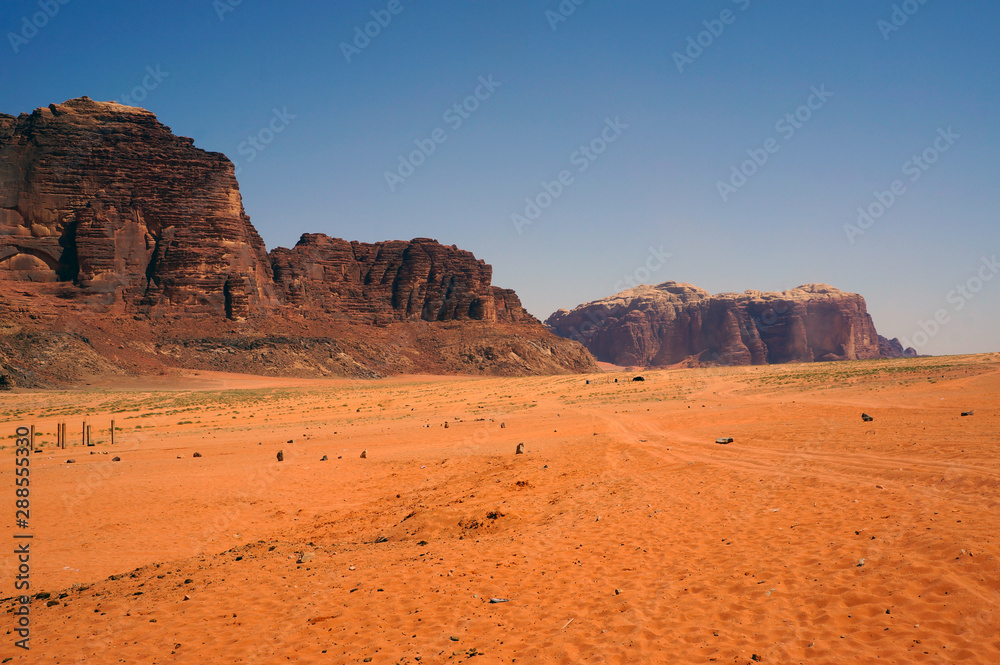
671 323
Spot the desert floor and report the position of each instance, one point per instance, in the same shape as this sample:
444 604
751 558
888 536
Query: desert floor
624 534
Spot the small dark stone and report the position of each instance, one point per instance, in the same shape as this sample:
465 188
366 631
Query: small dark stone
281 455
520 449
865 417
71 461
116 459
968 413
724 440
324 458
196 455
639 378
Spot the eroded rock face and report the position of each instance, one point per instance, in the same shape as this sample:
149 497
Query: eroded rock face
106 197
416 280
123 248
103 195
672 323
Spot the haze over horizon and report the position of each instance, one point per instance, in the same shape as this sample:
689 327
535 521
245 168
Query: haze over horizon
728 144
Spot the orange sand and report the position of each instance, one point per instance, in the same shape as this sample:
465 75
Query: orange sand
813 538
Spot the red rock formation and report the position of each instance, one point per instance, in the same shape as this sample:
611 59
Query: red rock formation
893 348
671 323
407 281
120 240
105 196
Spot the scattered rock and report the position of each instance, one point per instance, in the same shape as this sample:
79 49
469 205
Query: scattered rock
494 601
618 592
446 424
453 638
196 455
639 378
305 557
187 597
324 458
290 441
520 449
116 459
968 413
725 440
865 417
364 454
71 461
281 455
503 425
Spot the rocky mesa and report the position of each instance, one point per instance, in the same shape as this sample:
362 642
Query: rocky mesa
650 326
116 233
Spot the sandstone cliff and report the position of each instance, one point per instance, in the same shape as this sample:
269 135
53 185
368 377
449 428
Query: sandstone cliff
105 197
129 248
672 323
416 280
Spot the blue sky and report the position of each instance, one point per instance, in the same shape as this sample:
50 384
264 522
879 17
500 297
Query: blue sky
683 123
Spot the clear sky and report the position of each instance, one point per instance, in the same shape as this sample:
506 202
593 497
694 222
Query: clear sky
668 100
